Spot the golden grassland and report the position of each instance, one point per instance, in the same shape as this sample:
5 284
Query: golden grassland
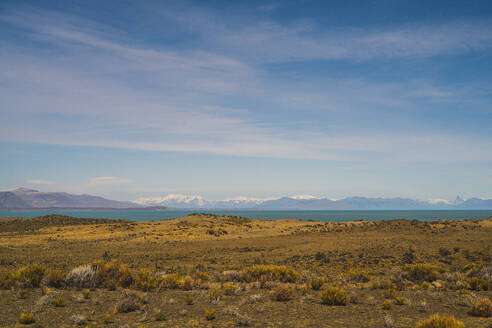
220 271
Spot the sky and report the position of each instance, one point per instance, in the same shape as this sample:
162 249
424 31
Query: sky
257 99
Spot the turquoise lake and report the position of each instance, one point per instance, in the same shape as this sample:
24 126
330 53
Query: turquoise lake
326 216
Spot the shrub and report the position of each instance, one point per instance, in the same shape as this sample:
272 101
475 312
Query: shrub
57 301
482 308
189 300
438 321
359 276
408 257
30 275
422 272
282 294
333 296
54 278
187 283
6 280
86 293
271 272
387 305
400 300
107 319
82 276
210 314
144 279
128 304
229 289
470 267
171 281
126 278
478 284
78 319
159 316
26 318
316 283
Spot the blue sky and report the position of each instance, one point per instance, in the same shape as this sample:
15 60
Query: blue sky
247 98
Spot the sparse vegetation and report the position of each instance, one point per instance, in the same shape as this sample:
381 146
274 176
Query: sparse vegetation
249 276
438 321
333 296
26 318
482 308
210 314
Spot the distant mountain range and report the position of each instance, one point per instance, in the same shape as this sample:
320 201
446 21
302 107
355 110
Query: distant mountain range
23 198
313 203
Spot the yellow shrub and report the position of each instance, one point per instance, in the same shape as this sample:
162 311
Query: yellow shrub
30 275
282 294
482 308
438 321
26 318
478 284
333 296
272 272
54 278
316 283
422 272
210 314
144 279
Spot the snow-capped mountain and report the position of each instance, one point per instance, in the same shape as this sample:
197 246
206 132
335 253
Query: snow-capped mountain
190 201
308 202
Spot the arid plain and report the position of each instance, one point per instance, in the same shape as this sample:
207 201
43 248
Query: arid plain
218 271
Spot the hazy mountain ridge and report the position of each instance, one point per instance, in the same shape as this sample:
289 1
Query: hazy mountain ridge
313 203
23 198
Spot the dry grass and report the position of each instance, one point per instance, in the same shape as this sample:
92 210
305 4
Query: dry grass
183 267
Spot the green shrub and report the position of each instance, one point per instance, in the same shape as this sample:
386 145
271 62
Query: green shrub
478 284
26 318
30 275
282 294
316 283
482 308
422 272
438 321
333 296
210 314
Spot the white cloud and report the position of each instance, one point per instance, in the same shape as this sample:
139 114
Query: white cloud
439 200
41 182
107 181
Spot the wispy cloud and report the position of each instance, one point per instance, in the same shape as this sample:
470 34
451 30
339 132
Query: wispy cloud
107 90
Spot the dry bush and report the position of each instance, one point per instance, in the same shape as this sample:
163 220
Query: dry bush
282 294
159 316
271 272
171 281
128 303
229 289
144 279
78 319
478 284
82 277
210 314
186 283
438 321
316 283
481 308
30 275
400 300
358 276
26 318
333 296
54 278
422 272
232 275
